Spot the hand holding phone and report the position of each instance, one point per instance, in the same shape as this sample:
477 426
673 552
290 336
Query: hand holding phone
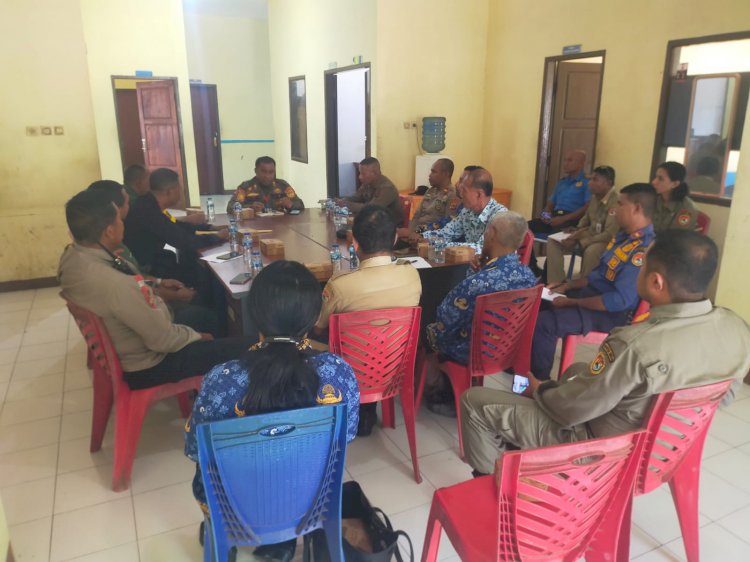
520 384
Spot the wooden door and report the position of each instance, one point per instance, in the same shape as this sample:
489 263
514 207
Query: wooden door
205 105
129 128
575 114
160 131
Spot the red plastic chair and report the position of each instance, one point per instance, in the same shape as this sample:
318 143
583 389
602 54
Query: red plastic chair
524 250
542 504
406 209
570 343
130 405
501 333
380 345
675 433
702 222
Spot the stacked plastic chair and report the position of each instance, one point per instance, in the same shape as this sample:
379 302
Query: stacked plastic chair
110 388
542 504
273 477
524 250
381 345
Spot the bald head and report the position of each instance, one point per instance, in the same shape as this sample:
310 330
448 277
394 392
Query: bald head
481 179
508 230
574 162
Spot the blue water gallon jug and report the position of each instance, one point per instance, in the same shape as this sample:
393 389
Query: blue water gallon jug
433 134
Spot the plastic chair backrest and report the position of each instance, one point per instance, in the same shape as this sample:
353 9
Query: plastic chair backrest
524 250
702 223
380 345
678 420
406 209
553 500
272 477
501 331
98 342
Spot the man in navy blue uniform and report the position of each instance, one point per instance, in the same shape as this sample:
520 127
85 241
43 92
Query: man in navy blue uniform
607 297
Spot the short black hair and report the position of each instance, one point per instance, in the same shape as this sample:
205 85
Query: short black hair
642 194
481 179
447 165
607 172
264 160
111 188
676 172
133 173
688 261
374 229
88 213
162 179
472 167
371 161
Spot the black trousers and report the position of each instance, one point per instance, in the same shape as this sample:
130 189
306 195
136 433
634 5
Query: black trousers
194 359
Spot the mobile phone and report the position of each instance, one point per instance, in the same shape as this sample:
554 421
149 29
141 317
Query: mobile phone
241 279
520 383
294 212
228 256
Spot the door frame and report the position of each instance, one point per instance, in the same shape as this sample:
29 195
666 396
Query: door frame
202 86
544 149
180 130
331 123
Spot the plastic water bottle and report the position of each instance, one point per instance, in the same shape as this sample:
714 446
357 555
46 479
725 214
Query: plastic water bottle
337 217
237 208
353 259
330 204
344 216
257 261
210 210
234 244
247 252
336 257
439 250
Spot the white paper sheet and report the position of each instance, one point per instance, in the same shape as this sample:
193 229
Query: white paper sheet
559 236
548 295
416 261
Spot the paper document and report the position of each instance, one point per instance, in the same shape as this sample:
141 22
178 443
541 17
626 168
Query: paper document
270 214
548 295
416 261
559 236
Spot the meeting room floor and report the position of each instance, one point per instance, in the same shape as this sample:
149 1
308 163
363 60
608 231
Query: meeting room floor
60 506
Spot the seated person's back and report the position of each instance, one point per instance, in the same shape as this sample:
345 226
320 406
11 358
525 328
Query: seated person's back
376 189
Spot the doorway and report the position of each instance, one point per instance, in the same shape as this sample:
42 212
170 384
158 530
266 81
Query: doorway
571 96
205 105
149 127
347 104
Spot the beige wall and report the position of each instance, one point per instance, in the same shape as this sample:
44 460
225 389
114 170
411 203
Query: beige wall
306 36
122 37
232 52
43 57
431 61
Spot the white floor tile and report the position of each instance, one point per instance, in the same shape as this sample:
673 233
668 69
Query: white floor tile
655 514
15 320
713 446
76 362
431 438
77 425
157 470
730 429
86 487
92 529
641 542
733 466
42 351
127 552
17 306
10 340
166 509
444 469
79 400
29 435
25 389
29 501
716 543
75 380
662 554
414 523
180 545
366 454
387 489
5 372
74 455
46 336
48 321
740 408
718 497
31 540
28 465
8 356
31 409
738 523
39 367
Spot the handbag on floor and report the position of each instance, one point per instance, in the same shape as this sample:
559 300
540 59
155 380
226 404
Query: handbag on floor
367 533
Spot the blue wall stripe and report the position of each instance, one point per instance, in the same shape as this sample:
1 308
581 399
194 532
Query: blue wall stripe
242 141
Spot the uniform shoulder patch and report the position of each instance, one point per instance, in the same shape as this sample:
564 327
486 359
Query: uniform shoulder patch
637 259
328 395
598 364
453 204
607 350
612 212
461 303
683 219
289 192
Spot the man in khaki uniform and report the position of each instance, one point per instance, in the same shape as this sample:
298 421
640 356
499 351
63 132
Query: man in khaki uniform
376 189
152 349
593 232
378 283
438 202
685 342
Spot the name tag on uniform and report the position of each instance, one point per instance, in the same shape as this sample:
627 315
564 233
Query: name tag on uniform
598 228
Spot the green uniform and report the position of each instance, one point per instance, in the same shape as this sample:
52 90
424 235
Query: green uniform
675 214
679 346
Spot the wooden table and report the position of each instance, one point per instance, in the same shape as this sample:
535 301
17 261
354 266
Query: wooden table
308 238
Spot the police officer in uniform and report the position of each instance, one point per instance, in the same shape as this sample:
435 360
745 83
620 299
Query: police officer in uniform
685 342
378 283
438 202
265 190
607 296
674 208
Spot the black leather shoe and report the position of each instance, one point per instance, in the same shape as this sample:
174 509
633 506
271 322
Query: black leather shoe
280 552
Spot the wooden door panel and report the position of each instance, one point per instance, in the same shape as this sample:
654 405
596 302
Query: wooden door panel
161 140
157 104
579 101
129 128
205 107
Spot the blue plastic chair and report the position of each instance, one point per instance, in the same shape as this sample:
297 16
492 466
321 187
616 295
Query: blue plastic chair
272 477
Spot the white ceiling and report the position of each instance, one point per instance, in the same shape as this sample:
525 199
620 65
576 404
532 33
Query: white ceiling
257 9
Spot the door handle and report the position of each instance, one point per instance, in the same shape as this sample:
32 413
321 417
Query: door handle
143 145
215 140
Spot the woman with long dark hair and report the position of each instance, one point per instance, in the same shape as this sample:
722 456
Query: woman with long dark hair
281 372
674 208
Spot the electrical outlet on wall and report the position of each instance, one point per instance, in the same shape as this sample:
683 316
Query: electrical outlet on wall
46 131
32 131
59 130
